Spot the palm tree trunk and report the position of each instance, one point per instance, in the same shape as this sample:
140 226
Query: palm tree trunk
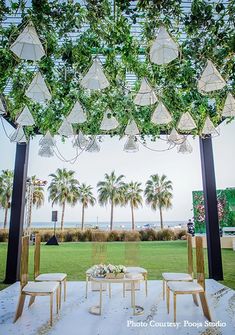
132 217
161 219
5 217
83 210
111 217
62 217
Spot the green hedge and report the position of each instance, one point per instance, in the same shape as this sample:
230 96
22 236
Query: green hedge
89 235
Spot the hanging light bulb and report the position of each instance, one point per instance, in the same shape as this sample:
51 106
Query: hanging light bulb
131 144
81 141
77 114
163 50
95 78
131 128
185 148
18 135
229 106
25 118
109 122
46 151
47 140
211 80
66 129
146 95
186 122
175 137
209 128
161 115
28 45
93 145
2 108
38 90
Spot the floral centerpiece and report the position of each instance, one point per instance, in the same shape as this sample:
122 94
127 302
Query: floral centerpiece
109 271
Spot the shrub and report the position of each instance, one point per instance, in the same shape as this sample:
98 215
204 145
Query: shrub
87 235
179 234
3 235
165 235
130 236
148 235
113 236
99 236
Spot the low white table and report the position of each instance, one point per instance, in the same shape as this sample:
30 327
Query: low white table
137 310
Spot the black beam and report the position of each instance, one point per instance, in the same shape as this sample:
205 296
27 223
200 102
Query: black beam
17 214
211 210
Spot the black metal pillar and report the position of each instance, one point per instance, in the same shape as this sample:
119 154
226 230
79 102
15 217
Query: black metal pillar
17 214
211 210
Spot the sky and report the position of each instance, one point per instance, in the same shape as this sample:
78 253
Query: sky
183 170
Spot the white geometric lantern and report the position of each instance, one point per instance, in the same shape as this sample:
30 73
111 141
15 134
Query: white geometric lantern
95 78
47 140
211 79
164 49
18 135
2 108
146 95
131 144
175 137
77 114
229 106
131 128
209 128
27 45
38 90
185 148
93 145
46 151
161 115
65 129
81 141
25 118
108 122
186 122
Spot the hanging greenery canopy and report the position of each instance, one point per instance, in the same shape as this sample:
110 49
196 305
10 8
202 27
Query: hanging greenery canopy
118 36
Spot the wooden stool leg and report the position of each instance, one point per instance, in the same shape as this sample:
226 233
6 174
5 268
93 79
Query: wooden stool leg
146 284
51 309
31 301
168 299
20 307
65 289
57 299
174 307
60 294
163 288
205 307
124 290
195 300
110 292
86 286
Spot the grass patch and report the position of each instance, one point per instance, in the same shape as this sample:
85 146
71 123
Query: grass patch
156 257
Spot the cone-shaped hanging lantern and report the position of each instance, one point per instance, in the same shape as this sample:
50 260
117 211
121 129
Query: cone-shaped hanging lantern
131 128
47 140
95 78
38 90
186 122
2 108
28 45
161 115
211 80
46 151
164 49
108 122
25 118
229 106
185 148
175 137
18 135
81 141
131 144
93 145
209 128
146 95
77 114
66 129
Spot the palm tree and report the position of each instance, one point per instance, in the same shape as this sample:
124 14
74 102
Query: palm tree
132 194
86 198
6 185
158 193
110 191
63 189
